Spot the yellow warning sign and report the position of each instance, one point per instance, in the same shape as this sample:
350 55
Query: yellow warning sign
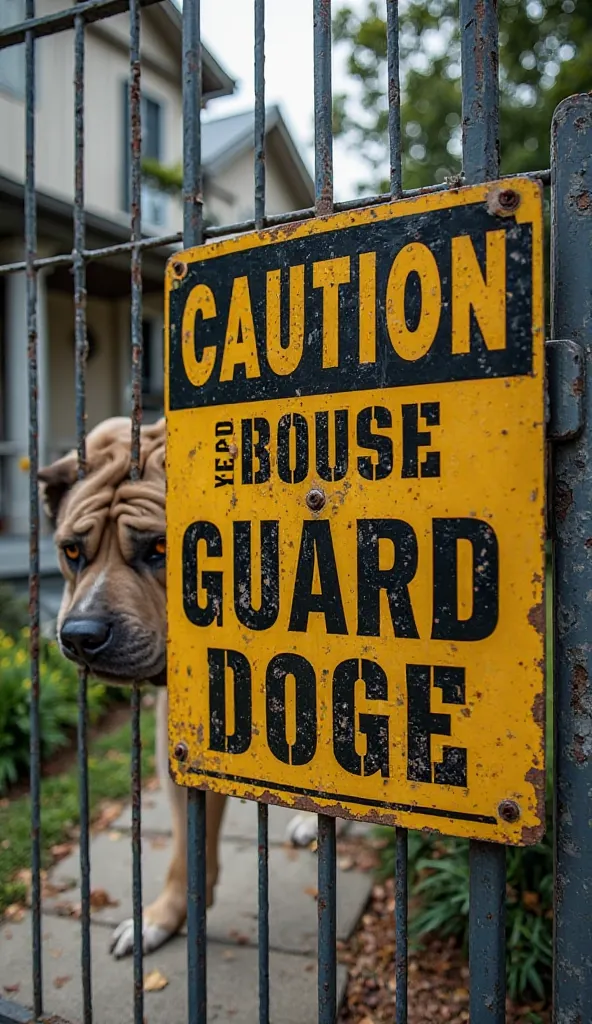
356 513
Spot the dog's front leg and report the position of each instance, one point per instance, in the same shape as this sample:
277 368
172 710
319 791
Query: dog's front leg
163 918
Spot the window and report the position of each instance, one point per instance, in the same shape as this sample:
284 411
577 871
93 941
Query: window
153 199
12 59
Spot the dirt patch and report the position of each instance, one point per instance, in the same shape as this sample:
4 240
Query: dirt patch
438 976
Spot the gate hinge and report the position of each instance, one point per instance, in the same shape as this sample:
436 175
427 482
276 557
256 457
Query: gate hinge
566 385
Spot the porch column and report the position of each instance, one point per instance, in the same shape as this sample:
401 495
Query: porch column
17 393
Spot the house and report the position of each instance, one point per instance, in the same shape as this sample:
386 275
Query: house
228 195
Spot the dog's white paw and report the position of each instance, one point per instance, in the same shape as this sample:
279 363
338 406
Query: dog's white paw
302 829
122 940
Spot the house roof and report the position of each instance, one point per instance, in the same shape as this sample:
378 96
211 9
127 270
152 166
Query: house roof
223 139
216 81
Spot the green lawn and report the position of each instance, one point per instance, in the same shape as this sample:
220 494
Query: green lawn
109 779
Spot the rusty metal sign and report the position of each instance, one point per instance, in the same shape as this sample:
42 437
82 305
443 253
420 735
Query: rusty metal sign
356 514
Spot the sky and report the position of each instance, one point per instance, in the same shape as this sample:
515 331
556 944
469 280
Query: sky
227 30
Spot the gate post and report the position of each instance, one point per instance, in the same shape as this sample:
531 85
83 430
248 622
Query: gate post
571 150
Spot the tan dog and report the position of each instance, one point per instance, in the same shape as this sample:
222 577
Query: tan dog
110 534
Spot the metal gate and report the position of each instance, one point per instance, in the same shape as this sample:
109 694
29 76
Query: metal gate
569 392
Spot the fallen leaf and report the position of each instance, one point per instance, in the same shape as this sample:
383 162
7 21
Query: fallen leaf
155 981
14 912
311 891
346 864
531 900
61 850
108 813
99 898
12 989
60 982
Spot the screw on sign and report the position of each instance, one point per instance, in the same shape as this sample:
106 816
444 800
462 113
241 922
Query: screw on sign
356 513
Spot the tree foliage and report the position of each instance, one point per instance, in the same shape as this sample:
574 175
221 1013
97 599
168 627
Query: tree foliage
545 55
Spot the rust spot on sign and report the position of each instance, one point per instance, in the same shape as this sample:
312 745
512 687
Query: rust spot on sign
536 617
531 834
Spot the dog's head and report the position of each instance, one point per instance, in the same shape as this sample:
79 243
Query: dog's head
110 535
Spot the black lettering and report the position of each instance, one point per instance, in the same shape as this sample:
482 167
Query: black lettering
218 662
258 451
222 445
267 613
374 727
483 619
338 470
423 723
297 423
394 581
224 465
222 481
316 544
211 582
380 443
414 439
224 428
305 708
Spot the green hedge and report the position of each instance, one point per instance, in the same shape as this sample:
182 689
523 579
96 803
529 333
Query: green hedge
58 709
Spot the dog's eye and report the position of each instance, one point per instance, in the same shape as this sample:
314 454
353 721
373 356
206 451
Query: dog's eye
73 553
157 551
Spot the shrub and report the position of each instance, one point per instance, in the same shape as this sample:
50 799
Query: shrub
57 703
439 879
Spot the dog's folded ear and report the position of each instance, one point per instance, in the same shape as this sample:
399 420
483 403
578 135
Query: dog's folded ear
55 480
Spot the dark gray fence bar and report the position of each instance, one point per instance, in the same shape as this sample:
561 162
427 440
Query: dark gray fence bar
480 150
480 89
135 137
487 933
80 389
193 235
394 96
323 108
571 141
259 114
33 381
263 908
327 848
401 941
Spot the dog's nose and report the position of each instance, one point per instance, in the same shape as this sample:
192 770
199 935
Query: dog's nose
85 638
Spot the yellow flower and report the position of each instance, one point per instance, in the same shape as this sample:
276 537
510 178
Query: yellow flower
27 684
24 464
20 658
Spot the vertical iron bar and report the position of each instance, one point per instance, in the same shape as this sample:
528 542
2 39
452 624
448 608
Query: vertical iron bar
327 848
401 843
487 933
394 96
401 948
263 857
32 356
480 148
135 136
262 809
193 235
571 244
80 336
480 90
259 114
322 107
327 956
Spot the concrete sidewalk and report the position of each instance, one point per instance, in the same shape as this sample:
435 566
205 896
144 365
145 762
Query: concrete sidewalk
232 927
